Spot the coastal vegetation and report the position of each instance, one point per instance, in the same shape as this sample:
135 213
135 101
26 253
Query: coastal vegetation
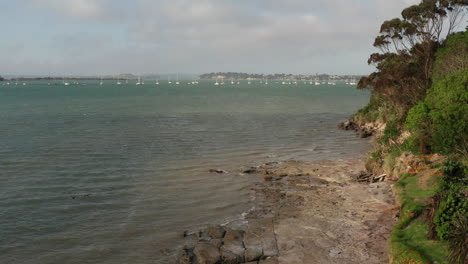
419 101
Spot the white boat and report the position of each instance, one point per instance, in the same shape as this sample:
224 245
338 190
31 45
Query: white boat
65 83
177 82
216 83
157 82
139 81
101 83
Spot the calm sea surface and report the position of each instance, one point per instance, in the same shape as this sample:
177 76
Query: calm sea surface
114 174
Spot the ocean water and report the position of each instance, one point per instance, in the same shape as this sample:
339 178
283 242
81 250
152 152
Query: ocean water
115 174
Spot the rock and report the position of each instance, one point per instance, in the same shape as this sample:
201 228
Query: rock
269 244
272 260
364 133
185 257
215 232
251 170
216 242
253 246
334 253
268 178
191 240
228 257
347 125
206 253
233 235
217 171
233 242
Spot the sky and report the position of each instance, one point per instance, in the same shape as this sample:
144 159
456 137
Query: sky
95 37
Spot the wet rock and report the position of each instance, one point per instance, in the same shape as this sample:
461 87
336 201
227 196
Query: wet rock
217 171
216 242
251 170
233 242
185 257
253 244
365 133
228 257
233 235
348 125
215 232
206 253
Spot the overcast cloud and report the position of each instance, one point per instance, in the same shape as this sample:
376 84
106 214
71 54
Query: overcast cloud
191 36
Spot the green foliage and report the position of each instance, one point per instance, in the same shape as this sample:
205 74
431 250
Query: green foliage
454 201
409 242
440 122
452 57
418 117
375 155
448 101
457 240
391 132
411 245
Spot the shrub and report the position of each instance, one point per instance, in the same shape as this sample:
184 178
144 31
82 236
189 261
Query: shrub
448 103
440 122
391 132
457 240
452 187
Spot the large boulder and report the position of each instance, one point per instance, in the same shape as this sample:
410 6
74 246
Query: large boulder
233 242
206 253
253 246
228 257
216 232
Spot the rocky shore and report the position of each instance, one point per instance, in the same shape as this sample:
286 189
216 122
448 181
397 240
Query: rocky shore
304 213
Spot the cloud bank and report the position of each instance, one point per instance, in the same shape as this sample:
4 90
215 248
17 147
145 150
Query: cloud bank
150 36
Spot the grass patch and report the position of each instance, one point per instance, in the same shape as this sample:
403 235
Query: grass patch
409 242
410 245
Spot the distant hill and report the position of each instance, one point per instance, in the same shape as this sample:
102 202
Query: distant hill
276 76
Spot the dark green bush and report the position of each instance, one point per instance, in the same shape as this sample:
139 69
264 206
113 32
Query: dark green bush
448 103
457 240
440 123
453 187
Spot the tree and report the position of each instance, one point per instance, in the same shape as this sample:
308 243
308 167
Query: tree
408 46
